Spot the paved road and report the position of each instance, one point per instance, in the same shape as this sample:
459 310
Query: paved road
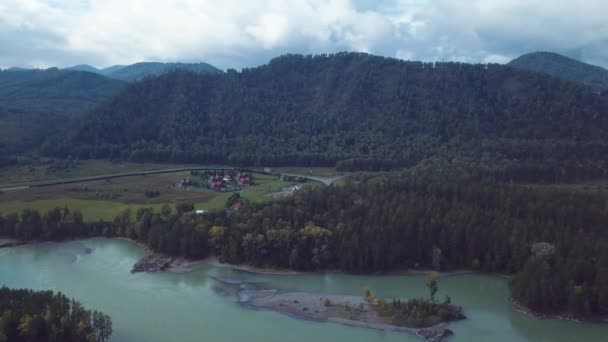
324 180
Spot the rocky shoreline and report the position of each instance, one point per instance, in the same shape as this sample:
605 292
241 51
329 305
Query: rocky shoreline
340 309
564 317
160 263
12 244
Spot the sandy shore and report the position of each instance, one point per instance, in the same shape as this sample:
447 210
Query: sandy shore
214 261
416 272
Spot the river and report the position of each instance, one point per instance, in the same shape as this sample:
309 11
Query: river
186 307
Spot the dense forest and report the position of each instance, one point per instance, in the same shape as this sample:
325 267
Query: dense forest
38 316
554 242
563 67
356 111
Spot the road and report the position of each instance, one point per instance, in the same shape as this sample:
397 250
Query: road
324 180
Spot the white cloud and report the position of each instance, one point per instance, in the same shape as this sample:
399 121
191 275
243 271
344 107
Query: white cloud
235 33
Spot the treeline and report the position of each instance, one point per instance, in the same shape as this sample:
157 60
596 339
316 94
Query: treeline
553 241
355 111
37 316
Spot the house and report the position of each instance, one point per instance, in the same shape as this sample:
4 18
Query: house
186 182
244 178
200 212
233 208
268 169
216 182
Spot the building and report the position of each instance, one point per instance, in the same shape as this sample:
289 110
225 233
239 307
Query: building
233 208
216 182
244 178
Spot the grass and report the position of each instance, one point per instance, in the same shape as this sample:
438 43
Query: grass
105 199
86 168
264 185
309 171
92 210
216 203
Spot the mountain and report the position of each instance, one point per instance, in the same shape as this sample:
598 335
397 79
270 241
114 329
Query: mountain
84 67
355 111
111 69
17 69
36 103
54 90
138 71
563 67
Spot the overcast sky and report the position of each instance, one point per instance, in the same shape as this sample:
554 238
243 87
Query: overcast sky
240 33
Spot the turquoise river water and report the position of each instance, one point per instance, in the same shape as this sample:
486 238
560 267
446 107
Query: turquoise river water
186 306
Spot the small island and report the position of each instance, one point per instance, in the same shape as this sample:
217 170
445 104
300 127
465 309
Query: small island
424 317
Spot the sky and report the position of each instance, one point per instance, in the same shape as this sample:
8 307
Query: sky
246 33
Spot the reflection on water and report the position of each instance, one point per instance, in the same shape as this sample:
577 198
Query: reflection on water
192 307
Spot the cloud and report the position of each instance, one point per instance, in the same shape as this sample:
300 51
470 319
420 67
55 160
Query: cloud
234 33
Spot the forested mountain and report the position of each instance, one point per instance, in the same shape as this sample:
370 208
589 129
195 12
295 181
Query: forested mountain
85 67
54 90
138 71
356 110
563 67
35 103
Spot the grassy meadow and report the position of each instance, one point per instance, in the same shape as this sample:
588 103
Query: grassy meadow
105 199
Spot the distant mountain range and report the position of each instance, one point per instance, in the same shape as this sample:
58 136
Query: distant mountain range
138 71
34 103
54 90
563 67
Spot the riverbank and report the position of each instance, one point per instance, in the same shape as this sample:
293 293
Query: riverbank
214 261
343 309
563 317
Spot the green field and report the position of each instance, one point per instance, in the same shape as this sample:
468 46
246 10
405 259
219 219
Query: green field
86 168
264 185
92 210
105 199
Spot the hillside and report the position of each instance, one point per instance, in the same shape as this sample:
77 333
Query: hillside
84 67
36 103
138 71
563 67
356 111
54 90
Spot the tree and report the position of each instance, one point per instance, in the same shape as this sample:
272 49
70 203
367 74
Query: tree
432 283
368 296
185 207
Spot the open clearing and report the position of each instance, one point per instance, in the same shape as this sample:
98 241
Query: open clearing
105 199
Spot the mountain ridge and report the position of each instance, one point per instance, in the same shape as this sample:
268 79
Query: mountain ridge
140 70
564 67
350 109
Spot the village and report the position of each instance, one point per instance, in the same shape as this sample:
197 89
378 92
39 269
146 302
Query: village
232 180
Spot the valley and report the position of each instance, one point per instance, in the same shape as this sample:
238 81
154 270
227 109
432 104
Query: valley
327 168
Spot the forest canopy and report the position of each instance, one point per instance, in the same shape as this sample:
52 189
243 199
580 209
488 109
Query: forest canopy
357 111
27 316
